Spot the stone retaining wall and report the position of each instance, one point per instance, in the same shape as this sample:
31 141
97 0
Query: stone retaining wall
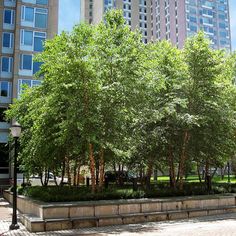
40 216
118 207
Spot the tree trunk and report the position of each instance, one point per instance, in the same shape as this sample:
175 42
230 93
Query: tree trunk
75 173
198 173
55 179
155 177
92 168
63 172
177 178
213 174
141 174
183 160
171 169
44 178
149 174
223 170
41 178
78 175
68 171
207 177
101 169
120 175
97 171
222 173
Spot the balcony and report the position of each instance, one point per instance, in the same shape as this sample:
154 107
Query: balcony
8 26
26 72
7 50
29 1
5 100
6 75
9 3
27 23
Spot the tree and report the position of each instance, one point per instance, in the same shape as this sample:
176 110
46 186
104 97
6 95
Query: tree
70 118
118 61
209 99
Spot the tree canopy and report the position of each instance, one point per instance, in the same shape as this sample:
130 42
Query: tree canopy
106 98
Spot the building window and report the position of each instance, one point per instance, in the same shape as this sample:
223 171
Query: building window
36 66
26 62
27 37
7 63
27 14
5 89
41 18
27 66
39 39
7 40
34 17
23 83
9 16
32 39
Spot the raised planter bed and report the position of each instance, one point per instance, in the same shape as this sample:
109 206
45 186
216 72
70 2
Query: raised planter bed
40 216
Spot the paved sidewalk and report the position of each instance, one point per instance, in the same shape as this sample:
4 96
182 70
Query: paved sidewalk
222 225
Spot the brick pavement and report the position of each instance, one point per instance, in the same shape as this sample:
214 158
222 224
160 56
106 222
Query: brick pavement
222 225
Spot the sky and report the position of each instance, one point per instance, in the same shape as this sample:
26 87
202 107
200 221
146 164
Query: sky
232 5
69 15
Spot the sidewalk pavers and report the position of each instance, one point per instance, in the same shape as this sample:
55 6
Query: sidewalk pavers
223 225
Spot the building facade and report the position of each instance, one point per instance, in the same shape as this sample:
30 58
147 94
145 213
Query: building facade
24 26
173 20
137 13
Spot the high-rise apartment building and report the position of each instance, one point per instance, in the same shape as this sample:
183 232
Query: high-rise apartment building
137 13
24 26
174 20
178 19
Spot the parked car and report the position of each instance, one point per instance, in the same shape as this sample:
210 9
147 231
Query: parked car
113 176
35 180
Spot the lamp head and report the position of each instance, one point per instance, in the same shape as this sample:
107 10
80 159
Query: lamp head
15 130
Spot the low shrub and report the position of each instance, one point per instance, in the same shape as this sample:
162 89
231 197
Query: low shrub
69 193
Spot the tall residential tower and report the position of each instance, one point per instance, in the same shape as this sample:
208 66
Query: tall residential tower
174 20
24 26
137 13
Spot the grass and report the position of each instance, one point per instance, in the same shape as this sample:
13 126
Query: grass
195 179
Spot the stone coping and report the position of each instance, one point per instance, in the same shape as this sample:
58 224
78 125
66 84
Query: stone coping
40 216
124 201
35 224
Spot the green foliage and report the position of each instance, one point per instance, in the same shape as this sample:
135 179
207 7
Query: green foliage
144 105
82 72
67 193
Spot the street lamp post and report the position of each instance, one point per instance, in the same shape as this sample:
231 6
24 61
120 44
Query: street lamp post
15 132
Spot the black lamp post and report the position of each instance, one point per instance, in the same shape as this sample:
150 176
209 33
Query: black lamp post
15 132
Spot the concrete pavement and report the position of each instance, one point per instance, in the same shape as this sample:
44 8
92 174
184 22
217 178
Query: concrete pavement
223 225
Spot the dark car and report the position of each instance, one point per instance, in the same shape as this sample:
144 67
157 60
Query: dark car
113 176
